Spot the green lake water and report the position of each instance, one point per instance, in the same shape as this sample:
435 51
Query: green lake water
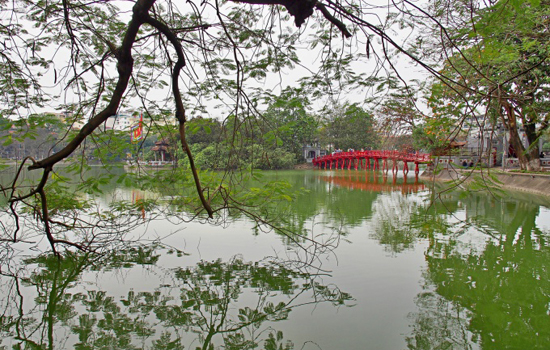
383 263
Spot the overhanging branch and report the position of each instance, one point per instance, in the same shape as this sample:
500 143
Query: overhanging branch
302 10
125 66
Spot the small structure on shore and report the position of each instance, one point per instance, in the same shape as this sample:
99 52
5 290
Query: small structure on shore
161 150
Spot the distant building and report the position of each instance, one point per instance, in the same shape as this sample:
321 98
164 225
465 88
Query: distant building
476 143
311 151
125 121
121 122
165 120
483 140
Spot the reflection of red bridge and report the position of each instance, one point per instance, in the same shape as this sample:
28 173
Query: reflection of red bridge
342 160
374 185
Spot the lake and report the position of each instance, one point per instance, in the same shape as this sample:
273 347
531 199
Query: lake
375 263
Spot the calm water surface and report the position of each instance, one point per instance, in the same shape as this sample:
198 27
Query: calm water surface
391 269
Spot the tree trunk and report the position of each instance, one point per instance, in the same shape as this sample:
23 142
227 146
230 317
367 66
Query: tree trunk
533 150
528 159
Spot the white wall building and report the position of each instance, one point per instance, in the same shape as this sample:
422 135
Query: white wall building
124 121
121 122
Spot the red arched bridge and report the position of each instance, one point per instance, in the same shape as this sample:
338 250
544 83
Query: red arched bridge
371 160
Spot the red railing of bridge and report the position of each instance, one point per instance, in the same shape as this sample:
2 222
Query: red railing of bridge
342 160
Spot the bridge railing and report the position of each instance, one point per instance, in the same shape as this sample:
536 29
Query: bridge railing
376 154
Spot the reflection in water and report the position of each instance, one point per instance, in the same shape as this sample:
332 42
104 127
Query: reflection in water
487 284
486 280
373 182
51 303
393 221
482 265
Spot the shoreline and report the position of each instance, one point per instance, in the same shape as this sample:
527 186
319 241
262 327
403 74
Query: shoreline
520 182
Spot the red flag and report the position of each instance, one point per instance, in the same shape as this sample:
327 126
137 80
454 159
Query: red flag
137 130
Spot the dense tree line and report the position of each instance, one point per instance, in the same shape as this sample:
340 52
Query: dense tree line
274 142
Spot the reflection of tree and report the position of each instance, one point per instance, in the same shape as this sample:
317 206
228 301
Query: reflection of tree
331 197
439 325
493 293
393 221
316 205
230 305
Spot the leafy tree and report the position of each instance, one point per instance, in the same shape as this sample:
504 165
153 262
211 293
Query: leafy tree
289 123
495 59
398 113
204 130
399 117
36 136
104 58
349 126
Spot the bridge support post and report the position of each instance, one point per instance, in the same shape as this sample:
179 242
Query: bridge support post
405 168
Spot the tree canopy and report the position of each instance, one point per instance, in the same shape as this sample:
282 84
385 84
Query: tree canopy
495 68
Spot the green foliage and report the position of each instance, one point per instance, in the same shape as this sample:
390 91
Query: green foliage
255 156
36 136
501 70
203 130
464 276
289 125
275 342
349 126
